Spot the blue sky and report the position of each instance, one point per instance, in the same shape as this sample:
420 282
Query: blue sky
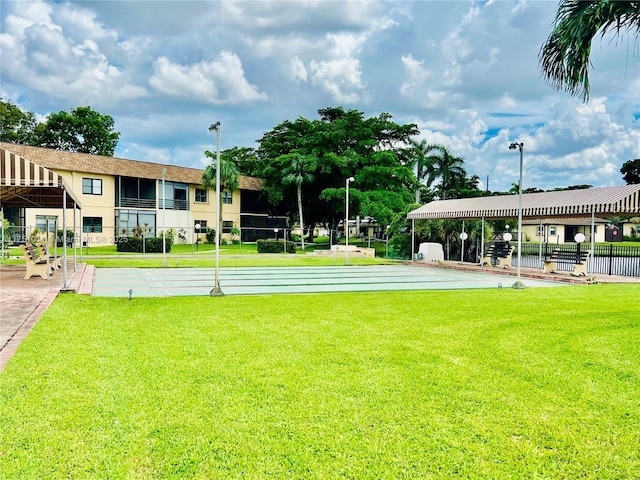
465 72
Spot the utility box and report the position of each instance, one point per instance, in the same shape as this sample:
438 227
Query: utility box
430 252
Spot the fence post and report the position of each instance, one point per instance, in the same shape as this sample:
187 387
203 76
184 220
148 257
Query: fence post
610 258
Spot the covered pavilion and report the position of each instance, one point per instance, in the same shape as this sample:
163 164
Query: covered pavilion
583 203
25 184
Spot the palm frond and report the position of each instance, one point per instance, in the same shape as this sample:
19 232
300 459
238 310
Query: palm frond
564 58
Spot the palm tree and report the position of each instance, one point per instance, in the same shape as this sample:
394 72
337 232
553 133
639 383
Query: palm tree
298 170
439 163
564 58
418 161
229 177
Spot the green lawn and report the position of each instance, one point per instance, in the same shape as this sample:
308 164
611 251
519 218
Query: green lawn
539 383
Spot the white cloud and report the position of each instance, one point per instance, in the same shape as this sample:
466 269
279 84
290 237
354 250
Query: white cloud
416 73
220 81
466 72
298 70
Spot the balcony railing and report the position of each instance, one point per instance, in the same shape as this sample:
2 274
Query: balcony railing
137 202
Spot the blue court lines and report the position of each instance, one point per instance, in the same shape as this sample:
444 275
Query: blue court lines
165 282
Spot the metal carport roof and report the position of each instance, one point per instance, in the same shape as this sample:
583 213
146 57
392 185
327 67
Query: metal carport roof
26 184
621 200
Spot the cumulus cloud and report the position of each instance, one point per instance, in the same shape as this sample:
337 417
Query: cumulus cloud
220 81
465 72
42 55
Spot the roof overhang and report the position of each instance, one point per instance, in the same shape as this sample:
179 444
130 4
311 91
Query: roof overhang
26 184
608 201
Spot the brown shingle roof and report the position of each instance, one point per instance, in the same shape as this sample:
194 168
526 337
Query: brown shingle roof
84 162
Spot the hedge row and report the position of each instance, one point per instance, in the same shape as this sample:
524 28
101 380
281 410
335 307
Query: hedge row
134 244
275 246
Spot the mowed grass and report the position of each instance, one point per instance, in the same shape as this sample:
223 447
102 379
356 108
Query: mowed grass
539 383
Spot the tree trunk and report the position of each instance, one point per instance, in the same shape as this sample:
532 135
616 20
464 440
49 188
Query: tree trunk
300 212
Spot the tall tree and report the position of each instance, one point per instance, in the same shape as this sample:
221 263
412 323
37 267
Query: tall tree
229 177
564 58
344 144
16 125
439 163
298 170
81 130
631 171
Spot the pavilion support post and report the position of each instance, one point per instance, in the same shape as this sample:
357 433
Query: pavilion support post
2 238
541 236
593 245
75 237
481 243
64 239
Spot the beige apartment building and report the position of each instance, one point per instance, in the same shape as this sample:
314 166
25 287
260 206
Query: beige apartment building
113 196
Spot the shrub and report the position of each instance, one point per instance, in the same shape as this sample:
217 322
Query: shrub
134 244
275 246
60 238
211 235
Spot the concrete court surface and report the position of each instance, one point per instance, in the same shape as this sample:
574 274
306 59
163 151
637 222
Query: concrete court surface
166 282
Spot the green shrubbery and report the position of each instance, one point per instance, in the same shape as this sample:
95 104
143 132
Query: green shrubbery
275 246
135 244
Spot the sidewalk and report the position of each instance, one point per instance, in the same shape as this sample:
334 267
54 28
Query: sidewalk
530 273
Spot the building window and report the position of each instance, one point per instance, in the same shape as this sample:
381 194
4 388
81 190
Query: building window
201 195
129 221
92 186
540 231
227 225
203 226
176 196
92 224
227 198
552 230
46 223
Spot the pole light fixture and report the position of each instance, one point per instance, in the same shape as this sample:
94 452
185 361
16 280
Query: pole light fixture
216 291
196 230
164 223
346 222
520 146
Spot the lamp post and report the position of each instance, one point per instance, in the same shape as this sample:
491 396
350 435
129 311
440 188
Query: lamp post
197 232
520 146
346 222
463 237
164 225
216 291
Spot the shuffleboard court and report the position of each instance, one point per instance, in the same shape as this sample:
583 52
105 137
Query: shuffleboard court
168 282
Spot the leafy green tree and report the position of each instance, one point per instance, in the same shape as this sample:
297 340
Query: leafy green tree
16 125
81 130
229 176
343 144
631 171
564 58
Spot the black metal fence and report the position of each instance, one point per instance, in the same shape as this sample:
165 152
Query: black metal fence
608 259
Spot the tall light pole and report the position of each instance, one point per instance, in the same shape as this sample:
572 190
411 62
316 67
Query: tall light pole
216 291
346 223
520 146
164 225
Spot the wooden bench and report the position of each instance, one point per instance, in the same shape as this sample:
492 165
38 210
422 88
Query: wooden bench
35 264
498 254
579 259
